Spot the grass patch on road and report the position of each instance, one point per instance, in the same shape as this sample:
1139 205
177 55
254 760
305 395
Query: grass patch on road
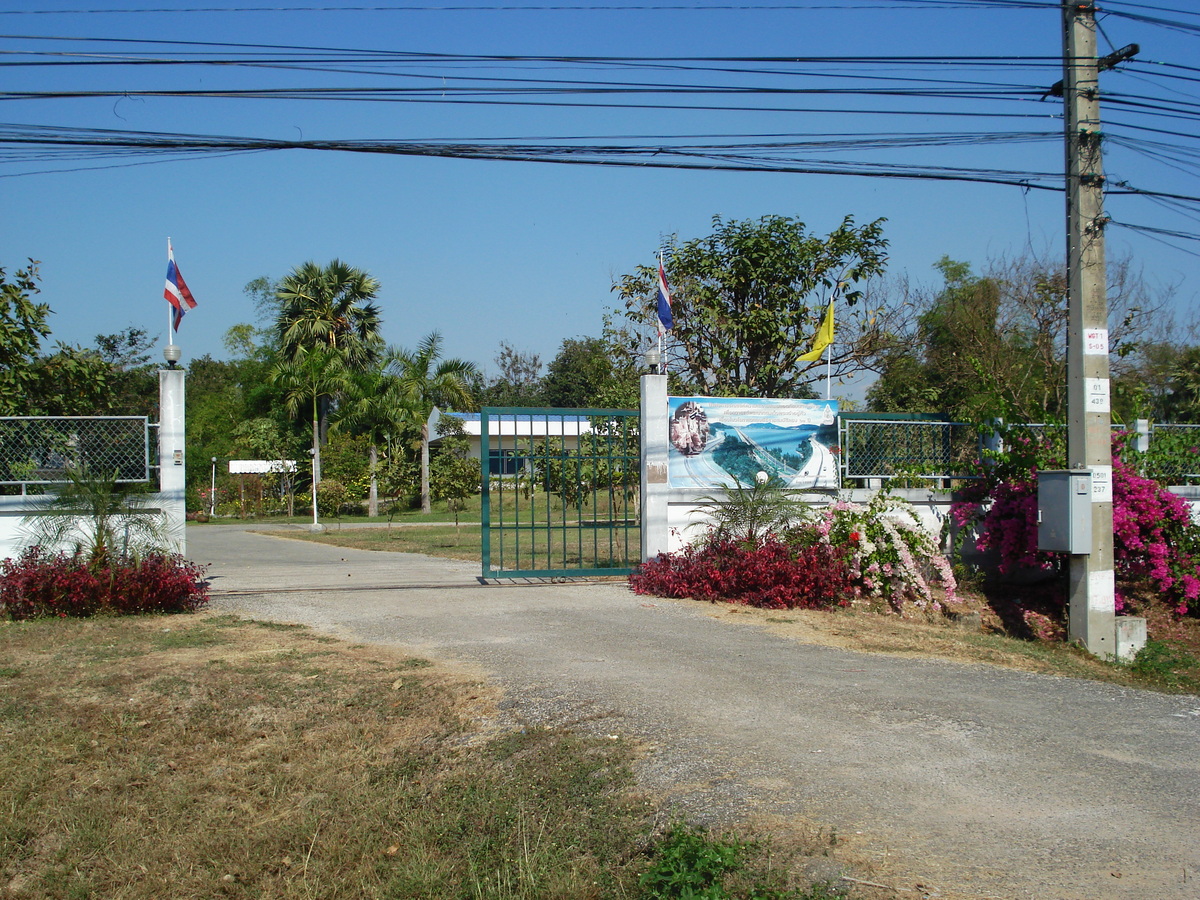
445 541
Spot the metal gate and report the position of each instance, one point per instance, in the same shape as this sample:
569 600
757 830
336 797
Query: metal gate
560 492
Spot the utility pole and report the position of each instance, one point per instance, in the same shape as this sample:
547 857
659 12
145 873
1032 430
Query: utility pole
1092 581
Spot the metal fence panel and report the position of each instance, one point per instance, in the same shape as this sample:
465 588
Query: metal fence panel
560 492
1174 453
43 449
908 448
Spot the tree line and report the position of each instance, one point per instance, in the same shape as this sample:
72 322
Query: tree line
312 377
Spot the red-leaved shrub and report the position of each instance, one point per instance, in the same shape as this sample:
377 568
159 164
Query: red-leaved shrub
771 575
39 583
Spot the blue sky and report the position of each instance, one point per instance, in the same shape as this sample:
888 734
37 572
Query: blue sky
491 251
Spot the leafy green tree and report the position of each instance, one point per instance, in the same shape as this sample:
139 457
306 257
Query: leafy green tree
69 381
132 382
519 382
22 327
994 345
1163 385
224 395
1181 400
578 373
454 473
73 381
331 496
961 343
425 381
263 294
266 438
344 457
749 298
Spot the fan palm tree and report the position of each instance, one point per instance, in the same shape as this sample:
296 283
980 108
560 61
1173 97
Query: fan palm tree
425 381
331 309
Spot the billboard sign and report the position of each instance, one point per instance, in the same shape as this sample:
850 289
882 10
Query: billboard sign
719 441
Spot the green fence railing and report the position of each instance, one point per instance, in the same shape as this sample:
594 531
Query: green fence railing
918 446
560 492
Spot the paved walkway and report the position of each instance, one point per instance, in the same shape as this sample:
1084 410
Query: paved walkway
970 780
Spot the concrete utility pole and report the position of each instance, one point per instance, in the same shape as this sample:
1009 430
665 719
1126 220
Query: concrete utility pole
1092 584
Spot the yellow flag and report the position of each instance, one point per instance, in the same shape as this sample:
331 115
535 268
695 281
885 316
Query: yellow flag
823 339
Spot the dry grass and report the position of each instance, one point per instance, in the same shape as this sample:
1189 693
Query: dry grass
967 642
207 757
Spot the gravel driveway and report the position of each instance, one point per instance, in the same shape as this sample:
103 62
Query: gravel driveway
950 780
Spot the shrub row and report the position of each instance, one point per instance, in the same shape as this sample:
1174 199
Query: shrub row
768 574
39 584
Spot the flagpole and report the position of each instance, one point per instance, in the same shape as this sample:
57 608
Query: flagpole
662 363
829 350
170 309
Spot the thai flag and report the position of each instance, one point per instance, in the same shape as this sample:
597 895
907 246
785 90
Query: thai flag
176 292
665 319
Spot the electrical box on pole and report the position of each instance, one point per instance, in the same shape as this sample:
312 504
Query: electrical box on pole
1065 511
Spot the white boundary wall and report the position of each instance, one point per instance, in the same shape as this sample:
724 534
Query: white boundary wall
168 503
16 511
672 517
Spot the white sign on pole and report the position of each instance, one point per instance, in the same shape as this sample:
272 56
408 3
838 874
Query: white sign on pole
1096 393
1095 342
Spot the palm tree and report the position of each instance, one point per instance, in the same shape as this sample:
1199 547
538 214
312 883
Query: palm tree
375 408
330 309
425 381
312 376
98 518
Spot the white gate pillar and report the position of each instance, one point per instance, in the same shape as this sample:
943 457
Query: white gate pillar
655 486
172 471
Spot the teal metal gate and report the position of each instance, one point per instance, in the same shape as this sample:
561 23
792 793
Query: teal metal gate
560 492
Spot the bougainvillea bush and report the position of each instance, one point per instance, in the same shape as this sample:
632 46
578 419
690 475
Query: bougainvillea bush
40 584
1156 547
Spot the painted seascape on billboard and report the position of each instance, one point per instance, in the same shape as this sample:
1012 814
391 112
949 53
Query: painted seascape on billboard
718 441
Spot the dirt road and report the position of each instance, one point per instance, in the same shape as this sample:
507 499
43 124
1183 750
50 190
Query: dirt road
950 780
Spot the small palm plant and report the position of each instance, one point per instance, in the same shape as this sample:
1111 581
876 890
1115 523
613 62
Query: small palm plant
97 518
751 514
